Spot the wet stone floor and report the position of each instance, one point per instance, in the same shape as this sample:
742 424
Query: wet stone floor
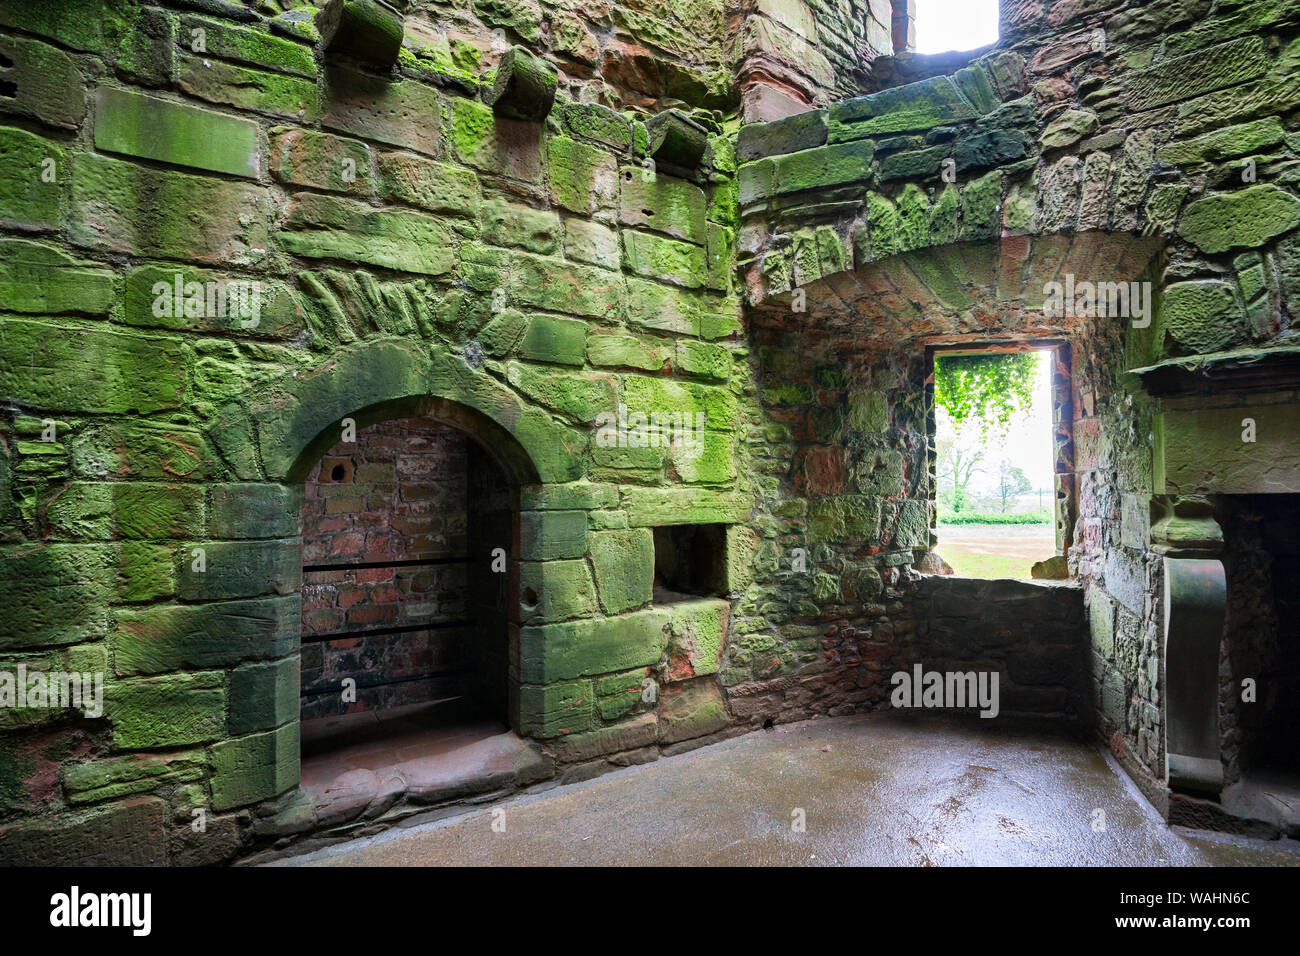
872 790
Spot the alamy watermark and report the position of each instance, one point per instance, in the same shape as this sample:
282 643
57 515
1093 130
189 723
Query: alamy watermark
1098 300
237 298
57 690
952 690
626 429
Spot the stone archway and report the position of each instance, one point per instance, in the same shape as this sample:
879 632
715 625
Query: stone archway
269 442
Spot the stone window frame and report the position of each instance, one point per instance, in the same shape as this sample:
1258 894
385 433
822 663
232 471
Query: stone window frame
1064 502
903 25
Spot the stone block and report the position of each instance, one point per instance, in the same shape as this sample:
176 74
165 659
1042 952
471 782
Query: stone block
691 709
250 769
32 172
238 569
247 510
557 652
322 227
122 207
623 563
130 833
555 591
172 710
163 638
302 157
556 710
44 83
697 635
39 279
264 695
544 535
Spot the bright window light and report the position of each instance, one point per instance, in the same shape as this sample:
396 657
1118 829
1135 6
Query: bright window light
945 25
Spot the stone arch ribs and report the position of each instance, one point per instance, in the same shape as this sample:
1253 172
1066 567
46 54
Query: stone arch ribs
274 435
955 292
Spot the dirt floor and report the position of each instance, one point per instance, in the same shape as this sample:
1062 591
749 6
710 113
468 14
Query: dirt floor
879 789
996 551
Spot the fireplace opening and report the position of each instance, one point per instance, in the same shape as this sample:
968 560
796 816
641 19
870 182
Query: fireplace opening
404 616
1259 703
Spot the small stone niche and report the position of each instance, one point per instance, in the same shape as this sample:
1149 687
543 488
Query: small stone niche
690 562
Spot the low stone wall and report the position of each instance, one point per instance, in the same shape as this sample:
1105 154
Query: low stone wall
1033 635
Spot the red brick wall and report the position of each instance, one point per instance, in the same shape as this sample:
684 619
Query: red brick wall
399 493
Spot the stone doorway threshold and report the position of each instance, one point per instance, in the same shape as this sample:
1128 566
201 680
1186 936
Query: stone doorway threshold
1269 798
362 773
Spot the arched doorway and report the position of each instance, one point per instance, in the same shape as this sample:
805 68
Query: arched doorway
270 443
407 527
410 548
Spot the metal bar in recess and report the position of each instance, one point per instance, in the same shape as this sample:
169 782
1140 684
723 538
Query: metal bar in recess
456 672
384 631
369 565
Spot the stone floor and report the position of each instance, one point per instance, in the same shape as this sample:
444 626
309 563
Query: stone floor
880 789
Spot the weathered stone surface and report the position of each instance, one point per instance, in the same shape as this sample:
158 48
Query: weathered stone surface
652 507
264 695
253 768
664 259
557 710
272 94
1244 219
362 29
1224 143
662 203
1186 76
556 340
555 591
568 287
406 113
916 106
55 594
697 635
1202 316
321 227
163 638
583 178
623 563
254 511
41 279
524 86
495 144
129 833
1068 128
240 569
692 709
638 732
321 161
31 196
116 777
168 711
251 45
588 648
126 208
792 134
44 81
99 370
